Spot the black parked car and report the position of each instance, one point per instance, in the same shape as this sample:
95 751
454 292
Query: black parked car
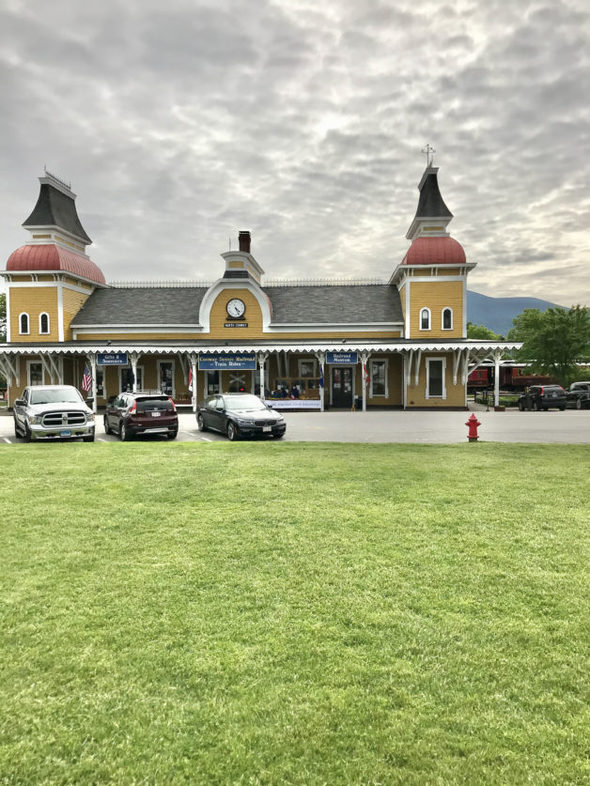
240 415
130 414
578 395
539 397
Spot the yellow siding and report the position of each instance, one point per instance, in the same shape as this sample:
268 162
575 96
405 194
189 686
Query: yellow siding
449 271
72 303
34 301
436 296
417 393
236 335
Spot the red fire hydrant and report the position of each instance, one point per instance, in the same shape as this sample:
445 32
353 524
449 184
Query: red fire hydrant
473 423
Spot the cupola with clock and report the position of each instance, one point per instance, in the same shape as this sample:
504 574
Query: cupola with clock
241 264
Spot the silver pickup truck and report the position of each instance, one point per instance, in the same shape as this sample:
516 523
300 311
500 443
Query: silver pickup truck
52 412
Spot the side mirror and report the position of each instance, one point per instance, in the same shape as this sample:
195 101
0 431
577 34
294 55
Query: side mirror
19 402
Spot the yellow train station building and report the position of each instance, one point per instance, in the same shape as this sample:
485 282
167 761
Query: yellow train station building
400 343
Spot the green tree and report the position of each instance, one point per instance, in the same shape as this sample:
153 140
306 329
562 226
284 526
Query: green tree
482 332
554 341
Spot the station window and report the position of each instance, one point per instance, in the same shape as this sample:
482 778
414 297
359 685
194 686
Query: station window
44 323
23 324
212 383
447 319
166 377
34 373
435 378
425 319
378 378
308 367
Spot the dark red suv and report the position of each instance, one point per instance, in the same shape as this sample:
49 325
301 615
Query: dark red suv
132 414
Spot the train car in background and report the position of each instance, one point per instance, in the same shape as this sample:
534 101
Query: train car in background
513 377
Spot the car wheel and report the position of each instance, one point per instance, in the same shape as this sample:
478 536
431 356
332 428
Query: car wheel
27 434
578 403
107 428
16 431
521 406
536 406
123 433
562 408
232 432
172 434
88 438
201 423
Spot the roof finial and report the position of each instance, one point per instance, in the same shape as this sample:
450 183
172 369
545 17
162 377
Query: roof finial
430 151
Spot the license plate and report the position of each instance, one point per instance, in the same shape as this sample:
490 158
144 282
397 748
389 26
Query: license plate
65 433
156 414
267 428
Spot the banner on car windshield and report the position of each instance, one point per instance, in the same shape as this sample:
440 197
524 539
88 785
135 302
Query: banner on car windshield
227 362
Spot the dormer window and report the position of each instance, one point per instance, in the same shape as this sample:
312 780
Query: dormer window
447 319
425 319
44 323
23 324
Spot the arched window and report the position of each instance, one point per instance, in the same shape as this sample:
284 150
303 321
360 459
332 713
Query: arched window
44 323
23 323
447 319
425 319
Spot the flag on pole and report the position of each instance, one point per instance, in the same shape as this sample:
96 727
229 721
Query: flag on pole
190 380
86 379
322 376
366 373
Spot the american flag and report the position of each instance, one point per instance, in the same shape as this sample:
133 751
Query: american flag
366 373
190 380
86 379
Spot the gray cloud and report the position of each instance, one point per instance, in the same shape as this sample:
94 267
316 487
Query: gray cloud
178 125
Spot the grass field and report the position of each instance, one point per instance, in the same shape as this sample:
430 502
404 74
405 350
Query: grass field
294 614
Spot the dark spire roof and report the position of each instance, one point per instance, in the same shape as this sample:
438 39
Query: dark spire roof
56 207
431 204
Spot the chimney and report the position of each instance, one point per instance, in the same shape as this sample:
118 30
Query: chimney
244 241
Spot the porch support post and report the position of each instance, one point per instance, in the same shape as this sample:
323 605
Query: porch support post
365 373
194 372
497 356
133 358
262 356
417 368
321 360
92 359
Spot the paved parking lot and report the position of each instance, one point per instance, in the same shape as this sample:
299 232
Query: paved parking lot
571 426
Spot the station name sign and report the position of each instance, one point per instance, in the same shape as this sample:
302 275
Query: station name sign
342 358
235 324
229 362
111 359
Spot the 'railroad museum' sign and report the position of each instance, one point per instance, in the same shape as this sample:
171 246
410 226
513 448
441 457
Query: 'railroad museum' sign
229 362
111 359
342 358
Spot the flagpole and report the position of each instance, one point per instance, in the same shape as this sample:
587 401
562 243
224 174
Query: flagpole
93 372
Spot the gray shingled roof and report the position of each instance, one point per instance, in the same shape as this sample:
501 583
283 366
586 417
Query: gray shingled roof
291 304
358 303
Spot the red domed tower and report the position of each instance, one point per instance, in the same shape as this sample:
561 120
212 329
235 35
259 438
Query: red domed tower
51 276
432 276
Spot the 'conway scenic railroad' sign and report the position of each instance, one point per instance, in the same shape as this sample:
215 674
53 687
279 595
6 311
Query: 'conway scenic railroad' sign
229 362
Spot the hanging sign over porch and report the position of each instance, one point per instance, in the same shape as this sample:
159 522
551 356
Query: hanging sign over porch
218 362
342 358
111 359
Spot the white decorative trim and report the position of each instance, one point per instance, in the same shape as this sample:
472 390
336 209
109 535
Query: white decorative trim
464 315
442 360
408 310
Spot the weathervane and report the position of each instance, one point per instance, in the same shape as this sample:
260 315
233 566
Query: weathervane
430 151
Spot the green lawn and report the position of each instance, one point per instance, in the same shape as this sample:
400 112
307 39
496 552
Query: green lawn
294 614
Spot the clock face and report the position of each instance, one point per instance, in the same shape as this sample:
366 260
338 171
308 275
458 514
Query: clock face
236 308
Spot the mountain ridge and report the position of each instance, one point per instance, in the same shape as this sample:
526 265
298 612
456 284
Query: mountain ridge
497 313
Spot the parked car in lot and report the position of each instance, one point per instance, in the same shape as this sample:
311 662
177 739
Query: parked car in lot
240 415
578 395
134 414
539 397
52 412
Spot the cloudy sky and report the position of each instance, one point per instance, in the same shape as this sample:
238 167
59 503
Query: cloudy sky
180 123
